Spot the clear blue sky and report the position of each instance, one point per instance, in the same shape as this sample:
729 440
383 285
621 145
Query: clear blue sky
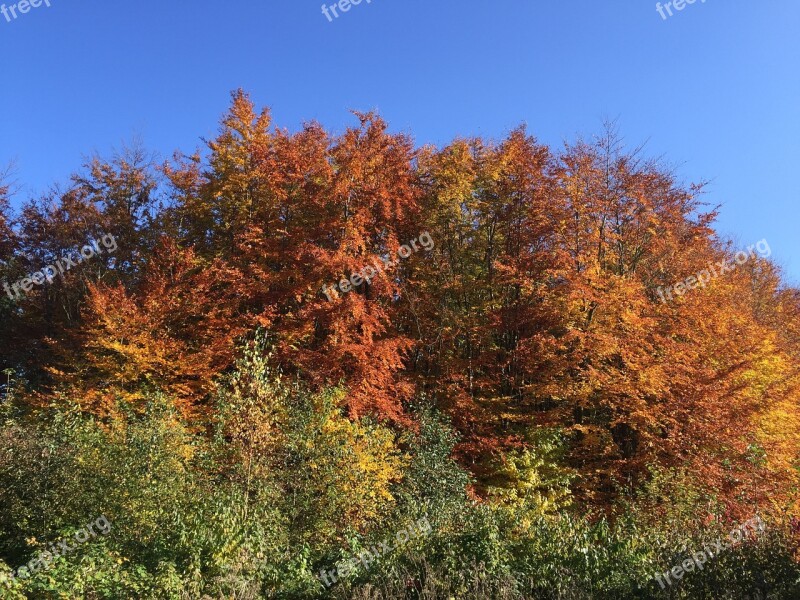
715 88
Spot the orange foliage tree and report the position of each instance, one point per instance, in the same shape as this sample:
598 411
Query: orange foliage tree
538 307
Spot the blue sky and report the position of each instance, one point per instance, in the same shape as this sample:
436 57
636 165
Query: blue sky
715 89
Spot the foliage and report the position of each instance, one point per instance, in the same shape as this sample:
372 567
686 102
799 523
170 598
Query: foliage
288 486
521 384
534 484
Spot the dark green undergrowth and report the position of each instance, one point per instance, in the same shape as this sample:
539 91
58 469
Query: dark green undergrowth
285 487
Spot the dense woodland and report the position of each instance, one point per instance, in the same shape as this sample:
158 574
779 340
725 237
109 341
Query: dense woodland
521 385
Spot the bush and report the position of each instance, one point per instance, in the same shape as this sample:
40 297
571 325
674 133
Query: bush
285 486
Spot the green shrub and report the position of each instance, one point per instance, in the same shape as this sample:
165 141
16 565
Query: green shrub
285 486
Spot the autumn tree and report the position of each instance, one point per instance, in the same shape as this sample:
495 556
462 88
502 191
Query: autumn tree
537 309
